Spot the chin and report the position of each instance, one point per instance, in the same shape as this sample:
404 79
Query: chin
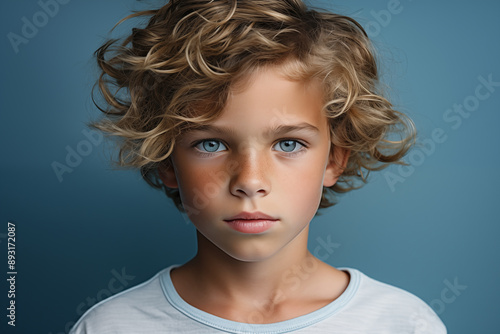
249 253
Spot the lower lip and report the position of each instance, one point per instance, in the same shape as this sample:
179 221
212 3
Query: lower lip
251 226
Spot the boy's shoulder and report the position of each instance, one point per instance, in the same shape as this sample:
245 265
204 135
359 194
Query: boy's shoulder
388 306
132 308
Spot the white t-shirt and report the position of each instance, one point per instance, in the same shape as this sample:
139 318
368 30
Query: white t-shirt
366 306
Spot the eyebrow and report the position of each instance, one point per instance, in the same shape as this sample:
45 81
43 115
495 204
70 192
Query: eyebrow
278 130
284 129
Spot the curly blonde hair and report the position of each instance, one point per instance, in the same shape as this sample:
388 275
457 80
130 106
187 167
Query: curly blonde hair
177 71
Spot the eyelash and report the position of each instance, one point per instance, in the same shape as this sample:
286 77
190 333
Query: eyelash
302 147
200 152
204 153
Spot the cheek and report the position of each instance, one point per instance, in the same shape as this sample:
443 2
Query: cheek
305 187
199 187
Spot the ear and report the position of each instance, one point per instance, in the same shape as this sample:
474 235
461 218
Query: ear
166 172
336 165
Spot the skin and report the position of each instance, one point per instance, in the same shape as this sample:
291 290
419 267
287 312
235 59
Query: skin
272 154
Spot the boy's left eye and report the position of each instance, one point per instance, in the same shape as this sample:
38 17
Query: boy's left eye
211 146
288 146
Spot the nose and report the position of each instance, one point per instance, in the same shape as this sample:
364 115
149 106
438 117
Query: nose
251 177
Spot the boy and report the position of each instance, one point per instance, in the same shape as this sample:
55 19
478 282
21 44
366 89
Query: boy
250 114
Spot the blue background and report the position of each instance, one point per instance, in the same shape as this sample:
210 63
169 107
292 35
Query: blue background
440 225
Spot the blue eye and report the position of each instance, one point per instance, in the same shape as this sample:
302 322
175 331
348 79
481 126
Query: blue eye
210 146
288 146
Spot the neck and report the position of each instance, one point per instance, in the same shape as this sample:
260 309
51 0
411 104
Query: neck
281 276
287 284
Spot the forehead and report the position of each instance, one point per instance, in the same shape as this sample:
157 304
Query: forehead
268 96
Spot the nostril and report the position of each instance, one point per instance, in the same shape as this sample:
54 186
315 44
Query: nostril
250 180
248 192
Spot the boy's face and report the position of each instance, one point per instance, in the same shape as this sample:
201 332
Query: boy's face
268 152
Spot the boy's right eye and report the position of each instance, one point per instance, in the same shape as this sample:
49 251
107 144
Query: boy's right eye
210 146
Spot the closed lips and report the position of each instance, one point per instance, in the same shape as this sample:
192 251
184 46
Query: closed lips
251 217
